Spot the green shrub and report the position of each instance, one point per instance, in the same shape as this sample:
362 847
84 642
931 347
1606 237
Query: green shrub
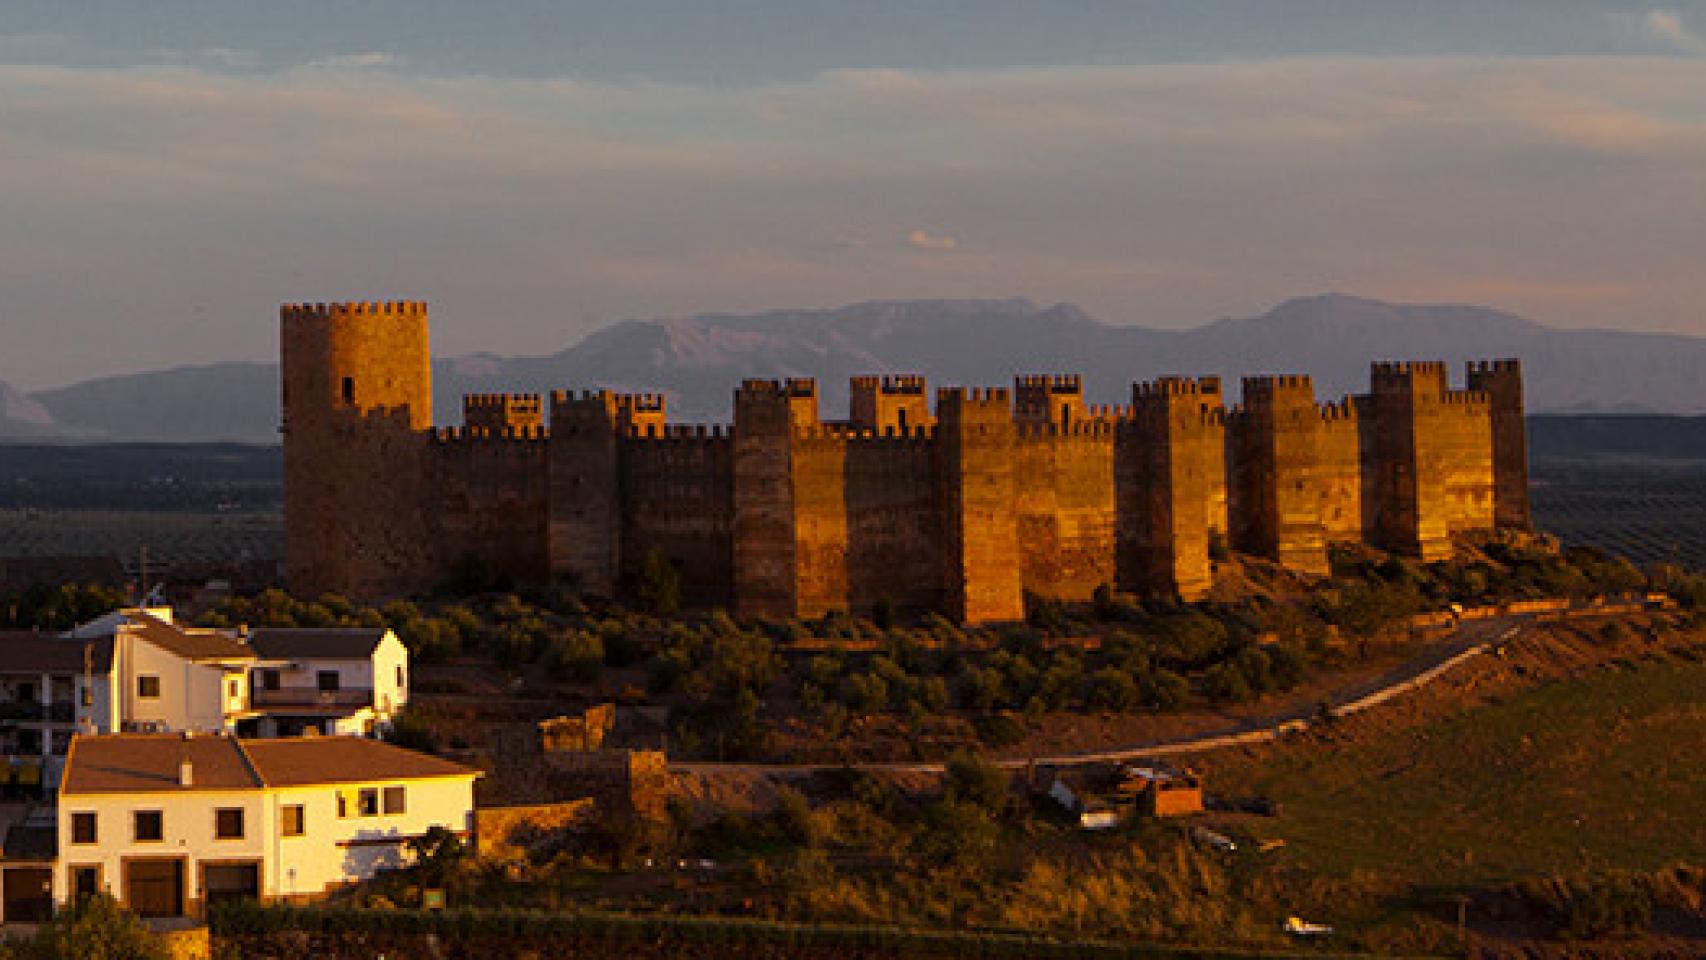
97 928
971 778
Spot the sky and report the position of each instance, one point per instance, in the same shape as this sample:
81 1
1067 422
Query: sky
171 171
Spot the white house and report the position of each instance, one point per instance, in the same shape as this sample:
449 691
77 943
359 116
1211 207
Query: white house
335 680
169 676
168 822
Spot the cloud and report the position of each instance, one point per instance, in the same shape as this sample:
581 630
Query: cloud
1666 26
1575 188
924 240
371 60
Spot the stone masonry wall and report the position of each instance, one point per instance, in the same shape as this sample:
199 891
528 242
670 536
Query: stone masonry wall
1064 506
963 509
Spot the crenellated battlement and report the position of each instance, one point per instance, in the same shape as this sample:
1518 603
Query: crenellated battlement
502 411
1051 382
401 309
1495 366
1343 409
908 384
1177 386
1269 386
1081 428
472 434
680 431
642 402
1405 368
973 396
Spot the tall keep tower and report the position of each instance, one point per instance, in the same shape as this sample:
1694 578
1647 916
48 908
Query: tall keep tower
357 405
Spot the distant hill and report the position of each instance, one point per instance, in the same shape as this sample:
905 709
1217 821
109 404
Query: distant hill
699 360
21 417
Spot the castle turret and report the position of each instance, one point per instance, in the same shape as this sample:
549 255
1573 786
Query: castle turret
766 415
1277 493
1430 469
897 403
1501 380
1056 399
501 414
1170 467
586 502
357 403
975 440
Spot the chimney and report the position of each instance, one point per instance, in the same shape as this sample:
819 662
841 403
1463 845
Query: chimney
186 773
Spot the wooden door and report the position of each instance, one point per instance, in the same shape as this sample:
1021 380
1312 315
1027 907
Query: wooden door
154 888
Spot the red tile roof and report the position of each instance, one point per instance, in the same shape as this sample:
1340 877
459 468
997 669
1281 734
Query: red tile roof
149 763
191 643
300 761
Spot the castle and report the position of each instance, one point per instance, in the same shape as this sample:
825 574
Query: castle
962 508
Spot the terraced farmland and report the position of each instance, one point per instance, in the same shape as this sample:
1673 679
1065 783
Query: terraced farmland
1648 510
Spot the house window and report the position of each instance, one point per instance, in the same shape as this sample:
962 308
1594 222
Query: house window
26 692
343 806
349 390
400 675
395 801
328 680
367 802
295 820
148 687
269 679
228 823
83 828
234 690
88 696
149 826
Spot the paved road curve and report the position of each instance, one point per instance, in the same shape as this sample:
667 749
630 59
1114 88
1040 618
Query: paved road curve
1467 642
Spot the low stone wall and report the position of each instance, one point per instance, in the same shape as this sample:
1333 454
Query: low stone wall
509 833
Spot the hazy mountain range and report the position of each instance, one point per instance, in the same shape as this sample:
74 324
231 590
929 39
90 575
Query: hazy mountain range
699 360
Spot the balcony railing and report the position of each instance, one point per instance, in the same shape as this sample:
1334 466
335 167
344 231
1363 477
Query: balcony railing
312 697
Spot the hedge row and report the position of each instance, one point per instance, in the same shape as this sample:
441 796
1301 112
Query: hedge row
253 919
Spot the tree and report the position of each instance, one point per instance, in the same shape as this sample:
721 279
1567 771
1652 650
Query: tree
437 853
971 778
1113 689
660 585
97 928
958 834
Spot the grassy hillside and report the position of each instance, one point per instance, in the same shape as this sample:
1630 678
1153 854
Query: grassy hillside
1597 771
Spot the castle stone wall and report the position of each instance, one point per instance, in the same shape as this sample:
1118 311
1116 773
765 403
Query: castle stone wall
1341 473
966 508
492 493
677 499
1064 507
895 551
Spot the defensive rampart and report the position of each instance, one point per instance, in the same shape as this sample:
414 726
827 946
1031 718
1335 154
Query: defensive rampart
965 506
